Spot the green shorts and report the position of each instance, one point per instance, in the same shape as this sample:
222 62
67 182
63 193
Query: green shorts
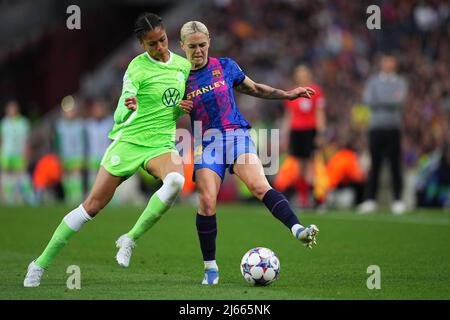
123 159
72 164
13 163
94 164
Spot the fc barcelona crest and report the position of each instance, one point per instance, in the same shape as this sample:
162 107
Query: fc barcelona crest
216 73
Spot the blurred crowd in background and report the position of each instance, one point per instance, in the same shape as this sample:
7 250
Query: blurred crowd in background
61 149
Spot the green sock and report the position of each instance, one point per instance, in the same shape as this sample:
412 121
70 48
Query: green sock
152 213
8 184
77 188
60 238
73 188
92 176
27 188
67 189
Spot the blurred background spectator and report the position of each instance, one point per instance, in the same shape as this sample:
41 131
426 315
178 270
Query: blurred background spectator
433 188
16 183
98 124
42 62
385 94
70 143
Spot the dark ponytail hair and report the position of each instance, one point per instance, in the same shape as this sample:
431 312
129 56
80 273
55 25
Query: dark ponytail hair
146 22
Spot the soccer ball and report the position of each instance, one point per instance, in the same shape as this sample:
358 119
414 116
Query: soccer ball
260 266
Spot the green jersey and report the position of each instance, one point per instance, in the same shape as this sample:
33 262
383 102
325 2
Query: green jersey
158 88
14 134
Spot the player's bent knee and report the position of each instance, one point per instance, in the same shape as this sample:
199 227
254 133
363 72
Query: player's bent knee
258 189
172 185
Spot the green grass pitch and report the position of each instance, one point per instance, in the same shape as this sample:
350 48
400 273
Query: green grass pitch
412 251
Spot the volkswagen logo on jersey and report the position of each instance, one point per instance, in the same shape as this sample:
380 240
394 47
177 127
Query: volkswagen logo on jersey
171 97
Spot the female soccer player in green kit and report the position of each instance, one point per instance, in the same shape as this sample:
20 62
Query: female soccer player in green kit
143 136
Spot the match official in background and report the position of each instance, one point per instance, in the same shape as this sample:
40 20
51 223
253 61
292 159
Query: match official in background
304 123
385 94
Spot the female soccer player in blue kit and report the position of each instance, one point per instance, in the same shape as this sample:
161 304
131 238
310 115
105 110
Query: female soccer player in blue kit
210 87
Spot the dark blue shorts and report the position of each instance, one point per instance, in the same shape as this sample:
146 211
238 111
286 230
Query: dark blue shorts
219 150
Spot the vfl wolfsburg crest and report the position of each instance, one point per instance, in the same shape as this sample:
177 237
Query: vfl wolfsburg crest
171 97
180 77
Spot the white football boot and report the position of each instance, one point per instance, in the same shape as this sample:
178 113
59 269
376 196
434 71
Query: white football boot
308 235
211 277
398 207
125 245
367 206
34 275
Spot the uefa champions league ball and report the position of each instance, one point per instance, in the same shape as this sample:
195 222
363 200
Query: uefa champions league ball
260 266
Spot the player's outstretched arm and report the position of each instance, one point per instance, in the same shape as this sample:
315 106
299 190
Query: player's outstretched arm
260 90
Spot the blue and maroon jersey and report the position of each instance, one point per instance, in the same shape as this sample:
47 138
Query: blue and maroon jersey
211 90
